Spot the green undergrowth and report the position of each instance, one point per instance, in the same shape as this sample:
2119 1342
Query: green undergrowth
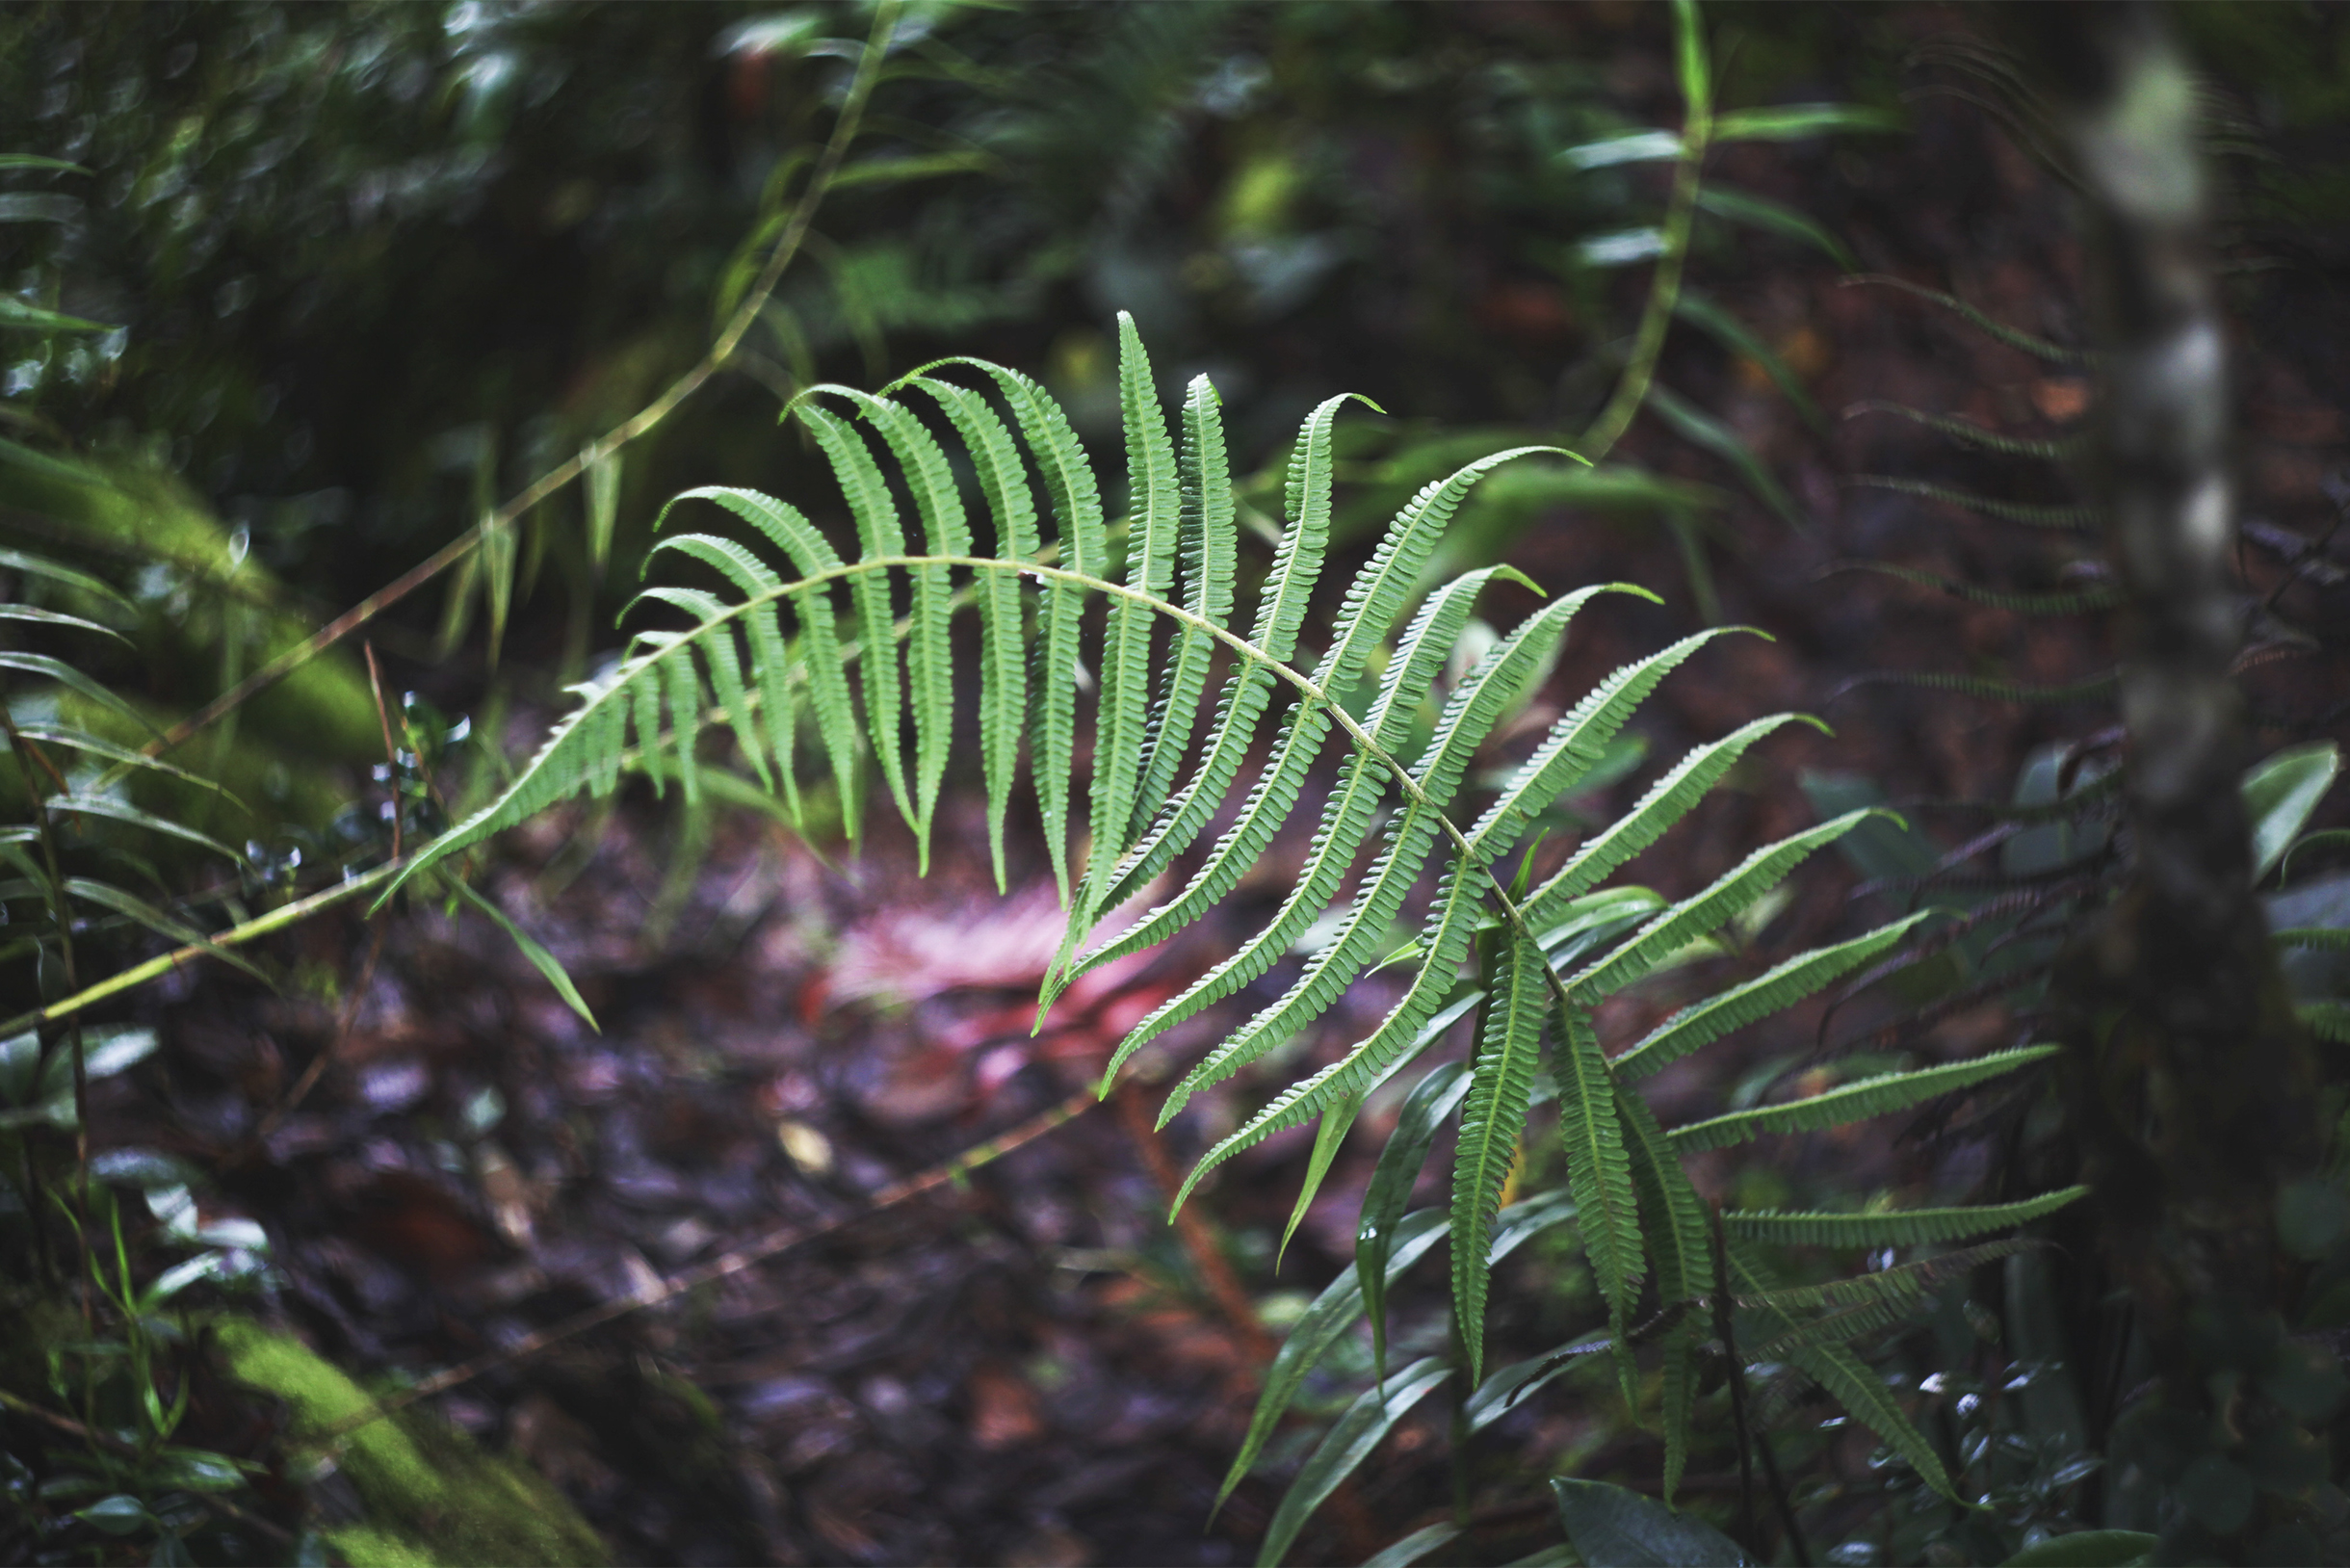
431 1494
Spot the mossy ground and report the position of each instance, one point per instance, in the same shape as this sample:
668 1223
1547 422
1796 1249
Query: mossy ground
432 1496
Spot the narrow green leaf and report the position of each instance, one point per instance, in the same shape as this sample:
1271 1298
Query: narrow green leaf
1425 1110
1701 1023
1897 1227
1003 656
1365 1423
880 533
1799 121
1154 506
2063 519
1776 218
1599 1170
82 740
98 805
64 675
1493 1116
52 617
1674 1229
1857 1101
162 923
1735 335
1320 1326
1701 429
56 571
541 959
1666 803
603 498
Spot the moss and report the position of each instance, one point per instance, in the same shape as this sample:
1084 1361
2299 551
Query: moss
431 1494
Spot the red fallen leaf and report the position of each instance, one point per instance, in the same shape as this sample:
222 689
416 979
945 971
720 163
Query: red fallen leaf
1005 1410
919 954
414 1222
911 954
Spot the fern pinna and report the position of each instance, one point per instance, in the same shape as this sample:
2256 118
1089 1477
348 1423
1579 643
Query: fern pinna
1529 960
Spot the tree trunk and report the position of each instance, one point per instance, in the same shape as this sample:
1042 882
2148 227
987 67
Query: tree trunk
2192 1084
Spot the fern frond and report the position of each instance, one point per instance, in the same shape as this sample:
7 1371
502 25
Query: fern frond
1858 1388
1502 1082
2038 348
1844 1377
1207 559
1002 639
930 650
1444 937
1666 803
1857 1101
1672 1228
1996 691
1154 506
1599 1170
1469 715
1374 601
1347 818
1706 911
1281 610
880 533
1701 1023
1968 433
1576 743
2067 519
2021 603
1898 1227
1866 1303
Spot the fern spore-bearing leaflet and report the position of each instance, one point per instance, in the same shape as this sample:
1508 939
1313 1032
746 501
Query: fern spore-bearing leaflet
769 657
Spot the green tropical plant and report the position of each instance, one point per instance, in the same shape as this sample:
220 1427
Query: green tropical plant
1544 952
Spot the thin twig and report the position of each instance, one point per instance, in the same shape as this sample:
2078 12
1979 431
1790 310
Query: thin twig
1215 1273
795 234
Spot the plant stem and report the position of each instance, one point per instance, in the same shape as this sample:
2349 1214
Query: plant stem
1663 290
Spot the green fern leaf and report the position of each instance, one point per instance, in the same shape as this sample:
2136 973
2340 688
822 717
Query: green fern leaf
1154 506
1002 652
930 650
1474 707
1347 818
1426 1108
1701 1023
1598 1172
1901 1227
1446 936
878 534
1502 1081
1858 1101
1207 560
1576 743
2064 519
1857 1387
1840 1372
1865 1302
1706 911
1666 803
1672 1228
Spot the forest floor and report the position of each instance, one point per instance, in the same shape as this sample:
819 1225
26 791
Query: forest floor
1026 1364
